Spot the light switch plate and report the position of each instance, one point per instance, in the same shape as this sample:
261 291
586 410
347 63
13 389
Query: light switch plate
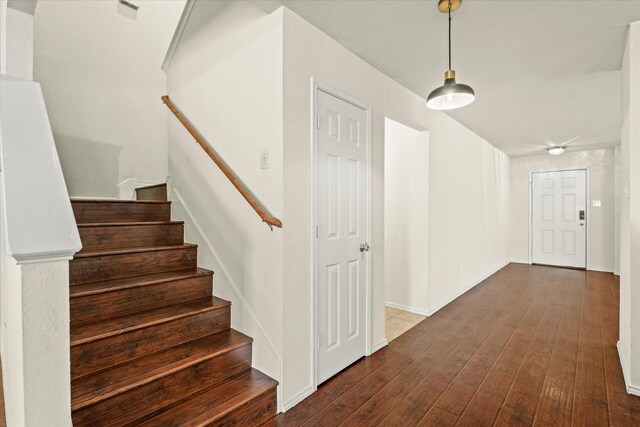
264 160
596 203
627 191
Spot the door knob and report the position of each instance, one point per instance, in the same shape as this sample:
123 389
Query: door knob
364 247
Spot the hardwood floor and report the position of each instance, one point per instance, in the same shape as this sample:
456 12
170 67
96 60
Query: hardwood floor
531 345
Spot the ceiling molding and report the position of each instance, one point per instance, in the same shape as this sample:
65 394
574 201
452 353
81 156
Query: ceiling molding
175 40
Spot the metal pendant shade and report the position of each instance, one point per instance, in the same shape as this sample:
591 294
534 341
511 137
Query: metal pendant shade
451 95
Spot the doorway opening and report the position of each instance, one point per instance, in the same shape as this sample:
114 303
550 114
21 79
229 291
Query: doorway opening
406 217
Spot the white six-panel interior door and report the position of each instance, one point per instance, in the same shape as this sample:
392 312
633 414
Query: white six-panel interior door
341 247
558 218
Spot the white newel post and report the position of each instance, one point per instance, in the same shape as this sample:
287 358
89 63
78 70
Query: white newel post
35 331
38 237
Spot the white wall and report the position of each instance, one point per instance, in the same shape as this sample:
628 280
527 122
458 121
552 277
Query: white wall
601 220
629 343
618 187
3 36
468 208
467 196
226 77
19 44
406 216
100 72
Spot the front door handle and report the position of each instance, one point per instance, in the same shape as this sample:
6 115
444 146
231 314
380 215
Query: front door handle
364 247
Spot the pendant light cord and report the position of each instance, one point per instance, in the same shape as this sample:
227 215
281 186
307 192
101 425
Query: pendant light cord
449 34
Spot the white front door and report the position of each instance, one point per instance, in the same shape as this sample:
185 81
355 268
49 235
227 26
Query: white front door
341 215
558 218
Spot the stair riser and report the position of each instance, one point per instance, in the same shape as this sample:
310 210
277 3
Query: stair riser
98 268
131 236
128 407
253 413
93 308
158 192
102 354
100 212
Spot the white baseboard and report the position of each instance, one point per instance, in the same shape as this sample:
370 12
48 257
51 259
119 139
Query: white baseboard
617 273
631 389
601 269
467 288
299 397
407 308
590 268
378 346
126 190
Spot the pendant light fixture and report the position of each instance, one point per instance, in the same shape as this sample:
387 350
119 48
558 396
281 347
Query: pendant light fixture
451 95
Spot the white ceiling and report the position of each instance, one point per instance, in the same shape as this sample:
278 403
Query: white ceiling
545 72
26 6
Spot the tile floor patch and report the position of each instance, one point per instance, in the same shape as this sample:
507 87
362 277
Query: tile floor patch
391 312
397 322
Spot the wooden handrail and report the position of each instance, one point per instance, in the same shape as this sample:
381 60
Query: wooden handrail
270 220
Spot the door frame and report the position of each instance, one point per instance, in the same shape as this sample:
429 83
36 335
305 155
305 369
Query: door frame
315 87
587 209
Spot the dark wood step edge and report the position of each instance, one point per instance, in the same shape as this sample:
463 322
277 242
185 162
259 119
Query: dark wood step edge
147 324
128 224
242 399
272 384
170 369
124 251
137 282
164 202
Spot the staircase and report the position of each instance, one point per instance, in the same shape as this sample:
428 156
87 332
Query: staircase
150 344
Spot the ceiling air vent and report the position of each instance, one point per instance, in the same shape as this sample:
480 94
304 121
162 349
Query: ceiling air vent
132 4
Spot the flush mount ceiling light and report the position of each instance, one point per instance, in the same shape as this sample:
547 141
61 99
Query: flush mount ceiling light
556 151
451 95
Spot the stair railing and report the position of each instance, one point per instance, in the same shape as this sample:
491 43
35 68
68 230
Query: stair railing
270 220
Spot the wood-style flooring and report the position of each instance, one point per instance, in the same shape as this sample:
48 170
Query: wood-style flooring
531 345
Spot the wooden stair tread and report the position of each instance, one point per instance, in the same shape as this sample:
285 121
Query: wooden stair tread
149 343
104 385
217 402
95 288
127 224
118 201
121 251
100 330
